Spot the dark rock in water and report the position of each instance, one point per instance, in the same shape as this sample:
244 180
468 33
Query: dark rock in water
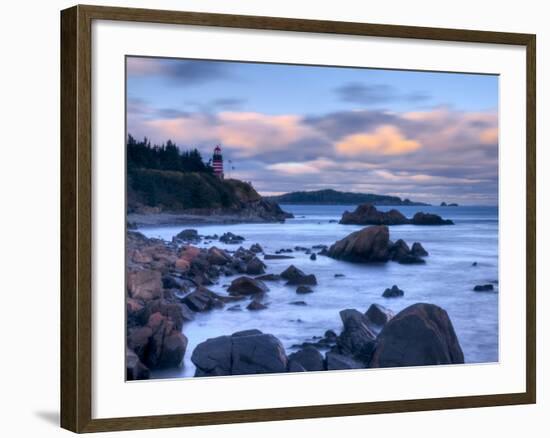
319 247
332 221
304 290
357 339
313 256
235 308
421 218
379 315
364 246
474 264
421 334
309 358
256 305
399 250
418 250
339 275
268 277
276 257
394 292
255 267
135 370
484 288
212 237
309 279
187 236
231 238
202 300
443 204
247 286
256 248
367 214
298 303
335 361
300 248
410 259
292 272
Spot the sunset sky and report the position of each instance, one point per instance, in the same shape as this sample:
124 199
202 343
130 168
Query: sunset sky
429 137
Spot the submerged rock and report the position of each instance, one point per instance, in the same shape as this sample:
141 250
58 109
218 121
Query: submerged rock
421 334
256 305
276 257
304 290
484 288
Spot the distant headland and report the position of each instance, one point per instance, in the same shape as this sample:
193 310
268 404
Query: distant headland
334 197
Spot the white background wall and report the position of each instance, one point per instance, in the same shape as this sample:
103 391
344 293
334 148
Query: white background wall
29 184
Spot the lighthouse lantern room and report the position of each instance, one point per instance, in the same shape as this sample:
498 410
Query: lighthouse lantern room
217 162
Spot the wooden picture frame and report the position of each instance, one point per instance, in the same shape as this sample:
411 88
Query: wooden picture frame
76 217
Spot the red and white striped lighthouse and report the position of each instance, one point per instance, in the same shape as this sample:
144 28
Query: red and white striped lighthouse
217 162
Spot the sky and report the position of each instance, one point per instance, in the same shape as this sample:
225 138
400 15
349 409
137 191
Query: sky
426 136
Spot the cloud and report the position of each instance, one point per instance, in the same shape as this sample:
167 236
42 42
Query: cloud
385 140
248 133
356 92
178 71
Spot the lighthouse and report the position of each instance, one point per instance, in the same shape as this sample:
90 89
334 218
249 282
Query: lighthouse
217 162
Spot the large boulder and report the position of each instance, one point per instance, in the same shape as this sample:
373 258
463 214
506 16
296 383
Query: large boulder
418 250
247 286
357 339
367 214
371 244
144 284
309 358
399 250
421 218
421 334
247 352
178 313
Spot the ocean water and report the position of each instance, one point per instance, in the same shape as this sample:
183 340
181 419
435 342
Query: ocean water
447 278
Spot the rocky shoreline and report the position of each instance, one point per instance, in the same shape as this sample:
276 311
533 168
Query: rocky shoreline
167 284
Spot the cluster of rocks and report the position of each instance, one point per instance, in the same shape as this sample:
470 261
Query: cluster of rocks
373 244
167 283
421 334
368 214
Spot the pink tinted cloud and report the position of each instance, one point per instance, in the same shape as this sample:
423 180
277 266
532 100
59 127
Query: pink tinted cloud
384 140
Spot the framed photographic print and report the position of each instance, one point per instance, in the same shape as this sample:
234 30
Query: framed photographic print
269 218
